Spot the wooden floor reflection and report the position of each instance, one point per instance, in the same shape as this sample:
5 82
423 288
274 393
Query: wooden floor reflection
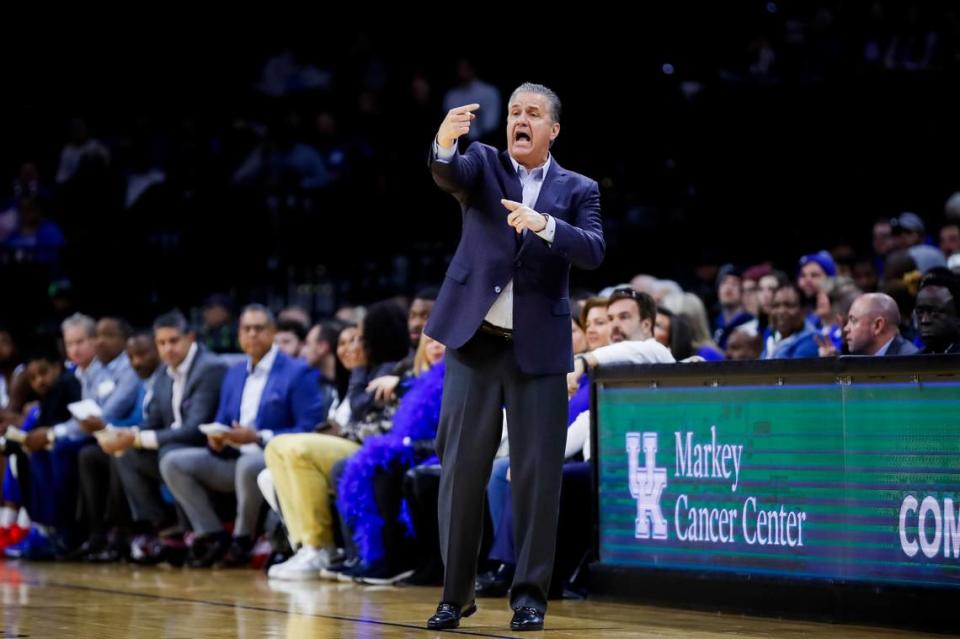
76 600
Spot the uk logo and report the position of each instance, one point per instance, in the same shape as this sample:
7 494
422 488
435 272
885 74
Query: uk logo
646 485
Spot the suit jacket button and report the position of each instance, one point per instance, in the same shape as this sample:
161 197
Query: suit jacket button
496 289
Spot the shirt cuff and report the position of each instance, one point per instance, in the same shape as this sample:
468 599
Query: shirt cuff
550 230
148 440
444 155
264 437
61 430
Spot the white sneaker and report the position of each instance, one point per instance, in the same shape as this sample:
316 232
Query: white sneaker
305 565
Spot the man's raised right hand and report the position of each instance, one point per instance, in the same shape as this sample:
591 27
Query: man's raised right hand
456 123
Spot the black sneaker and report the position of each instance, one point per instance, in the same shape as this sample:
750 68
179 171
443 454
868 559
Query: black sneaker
92 546
424 576
350 569
238 555
381 574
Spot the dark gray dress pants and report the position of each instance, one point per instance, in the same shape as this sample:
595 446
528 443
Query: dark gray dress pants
482 379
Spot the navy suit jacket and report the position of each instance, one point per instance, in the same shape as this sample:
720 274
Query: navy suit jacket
490 255
900 346
290 402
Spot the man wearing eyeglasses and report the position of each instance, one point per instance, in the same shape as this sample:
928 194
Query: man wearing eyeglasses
504 314
268 394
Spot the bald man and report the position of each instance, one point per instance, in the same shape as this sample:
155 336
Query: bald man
872 327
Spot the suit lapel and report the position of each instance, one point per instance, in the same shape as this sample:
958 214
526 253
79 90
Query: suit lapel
511 184
237 401
163 397
193 375
552 184
275 372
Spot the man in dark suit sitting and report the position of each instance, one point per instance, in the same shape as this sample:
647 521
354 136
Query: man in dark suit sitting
185 395
504 314
872 327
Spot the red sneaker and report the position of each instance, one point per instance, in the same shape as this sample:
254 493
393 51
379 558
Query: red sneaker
18 534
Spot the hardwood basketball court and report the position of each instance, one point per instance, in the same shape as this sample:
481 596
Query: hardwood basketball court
76 600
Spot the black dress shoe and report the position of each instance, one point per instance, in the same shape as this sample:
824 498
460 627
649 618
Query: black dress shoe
527 619
209 549
448 616
175 552
92 546
495 583
238 556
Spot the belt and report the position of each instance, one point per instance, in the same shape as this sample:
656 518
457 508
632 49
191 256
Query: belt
497 331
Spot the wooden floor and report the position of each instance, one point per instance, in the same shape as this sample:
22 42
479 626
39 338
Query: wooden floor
75 600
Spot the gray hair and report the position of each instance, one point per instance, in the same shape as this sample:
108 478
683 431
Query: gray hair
79 320
260 308
552 98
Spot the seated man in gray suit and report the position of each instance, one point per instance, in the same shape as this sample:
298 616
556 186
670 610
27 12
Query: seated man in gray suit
269 394
185 395
872 327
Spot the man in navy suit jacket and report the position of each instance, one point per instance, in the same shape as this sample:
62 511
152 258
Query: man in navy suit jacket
504 314
873 327
267 395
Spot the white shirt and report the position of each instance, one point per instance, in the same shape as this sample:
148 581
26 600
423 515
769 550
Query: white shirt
578 437
86 377
179 376
501 312
253 393
647 351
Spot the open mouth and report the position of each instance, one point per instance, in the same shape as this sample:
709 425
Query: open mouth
521 136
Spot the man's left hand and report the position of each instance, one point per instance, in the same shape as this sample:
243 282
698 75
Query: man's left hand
573 383
241 435
523 217
92 424
37 439
123 439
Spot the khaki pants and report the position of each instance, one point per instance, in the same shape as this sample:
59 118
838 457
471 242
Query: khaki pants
300 465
